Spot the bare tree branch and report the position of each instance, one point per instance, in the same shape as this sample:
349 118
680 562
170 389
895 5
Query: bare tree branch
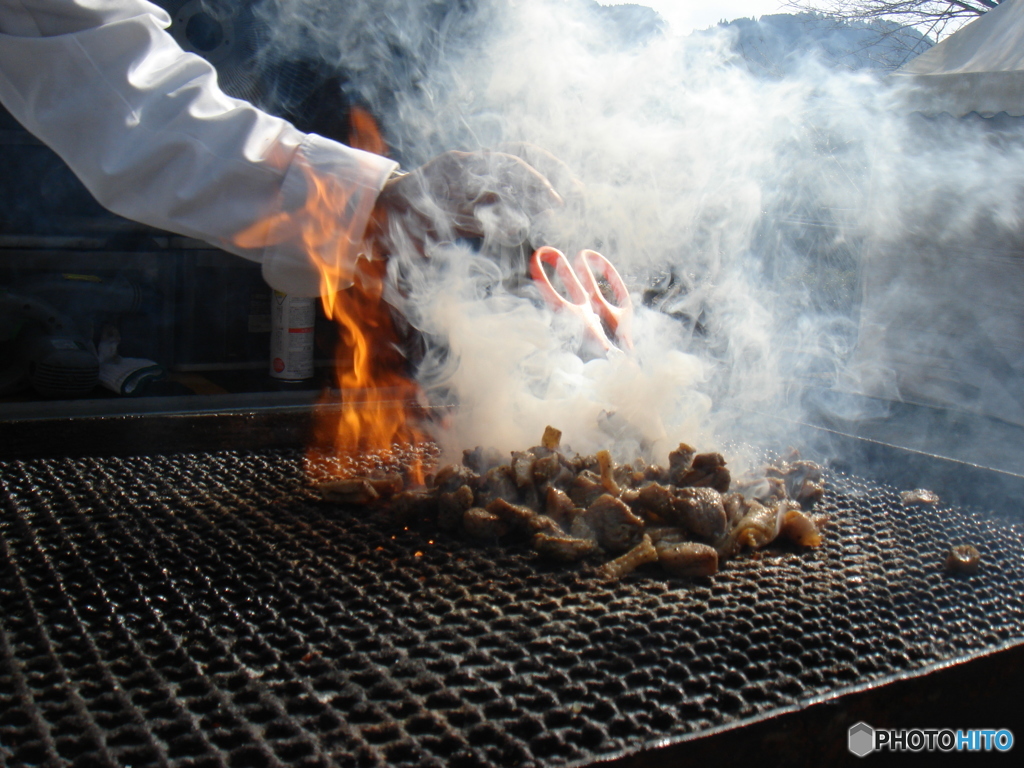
892 20
939 17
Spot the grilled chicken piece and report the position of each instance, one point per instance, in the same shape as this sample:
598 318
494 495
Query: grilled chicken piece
565 549
559 507
351 490
452 506
630 476
516 515
481 460
799 528
481 524
699 510
707 470
809 493
552 438
665 534
522 518
757 528
803 482
687 558
963 559
720 479
547 468
586 488
642 553
572 508
522 468
360 490
607 467
735 507
552 475
497 484
679 462
707 462
613 523
451 476
920 496
795 479
658 499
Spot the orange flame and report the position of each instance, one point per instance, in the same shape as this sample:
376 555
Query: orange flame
363 132
376 393
373 414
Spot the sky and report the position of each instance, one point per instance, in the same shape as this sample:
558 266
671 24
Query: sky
687 15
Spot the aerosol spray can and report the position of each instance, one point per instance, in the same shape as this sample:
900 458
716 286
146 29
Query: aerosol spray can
291 337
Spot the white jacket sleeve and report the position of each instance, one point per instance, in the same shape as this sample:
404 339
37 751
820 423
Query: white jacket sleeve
145 127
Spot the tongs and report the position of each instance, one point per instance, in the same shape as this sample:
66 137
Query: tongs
602 319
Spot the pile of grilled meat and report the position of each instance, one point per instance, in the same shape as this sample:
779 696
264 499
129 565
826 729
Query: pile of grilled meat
684 516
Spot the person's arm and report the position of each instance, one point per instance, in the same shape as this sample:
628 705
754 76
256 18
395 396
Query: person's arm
145 127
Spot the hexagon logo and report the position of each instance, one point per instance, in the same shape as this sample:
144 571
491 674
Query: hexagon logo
861 739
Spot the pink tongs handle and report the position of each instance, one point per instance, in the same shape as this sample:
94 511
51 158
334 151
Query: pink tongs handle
619 316
546 254
579 300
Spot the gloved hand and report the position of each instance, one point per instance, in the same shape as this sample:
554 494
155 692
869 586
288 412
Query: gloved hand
485 194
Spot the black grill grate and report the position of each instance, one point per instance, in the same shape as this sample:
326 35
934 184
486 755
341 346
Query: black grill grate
209 610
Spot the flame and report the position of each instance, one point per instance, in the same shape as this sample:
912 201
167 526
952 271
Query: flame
377 396
363 132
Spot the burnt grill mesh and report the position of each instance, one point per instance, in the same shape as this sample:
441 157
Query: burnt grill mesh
209 610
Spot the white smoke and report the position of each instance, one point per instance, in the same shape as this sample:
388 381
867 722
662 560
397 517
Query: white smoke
757 196
513 368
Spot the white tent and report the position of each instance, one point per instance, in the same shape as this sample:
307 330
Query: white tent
942 318
978 69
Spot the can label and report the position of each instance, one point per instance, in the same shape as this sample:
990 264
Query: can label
291 336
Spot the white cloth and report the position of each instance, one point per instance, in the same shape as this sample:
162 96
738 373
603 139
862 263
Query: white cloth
145 127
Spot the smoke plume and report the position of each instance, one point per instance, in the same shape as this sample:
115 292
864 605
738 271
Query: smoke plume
740 208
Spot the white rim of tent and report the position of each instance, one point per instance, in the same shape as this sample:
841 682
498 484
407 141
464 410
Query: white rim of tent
978 69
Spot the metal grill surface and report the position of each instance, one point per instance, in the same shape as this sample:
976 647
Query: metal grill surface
210 610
